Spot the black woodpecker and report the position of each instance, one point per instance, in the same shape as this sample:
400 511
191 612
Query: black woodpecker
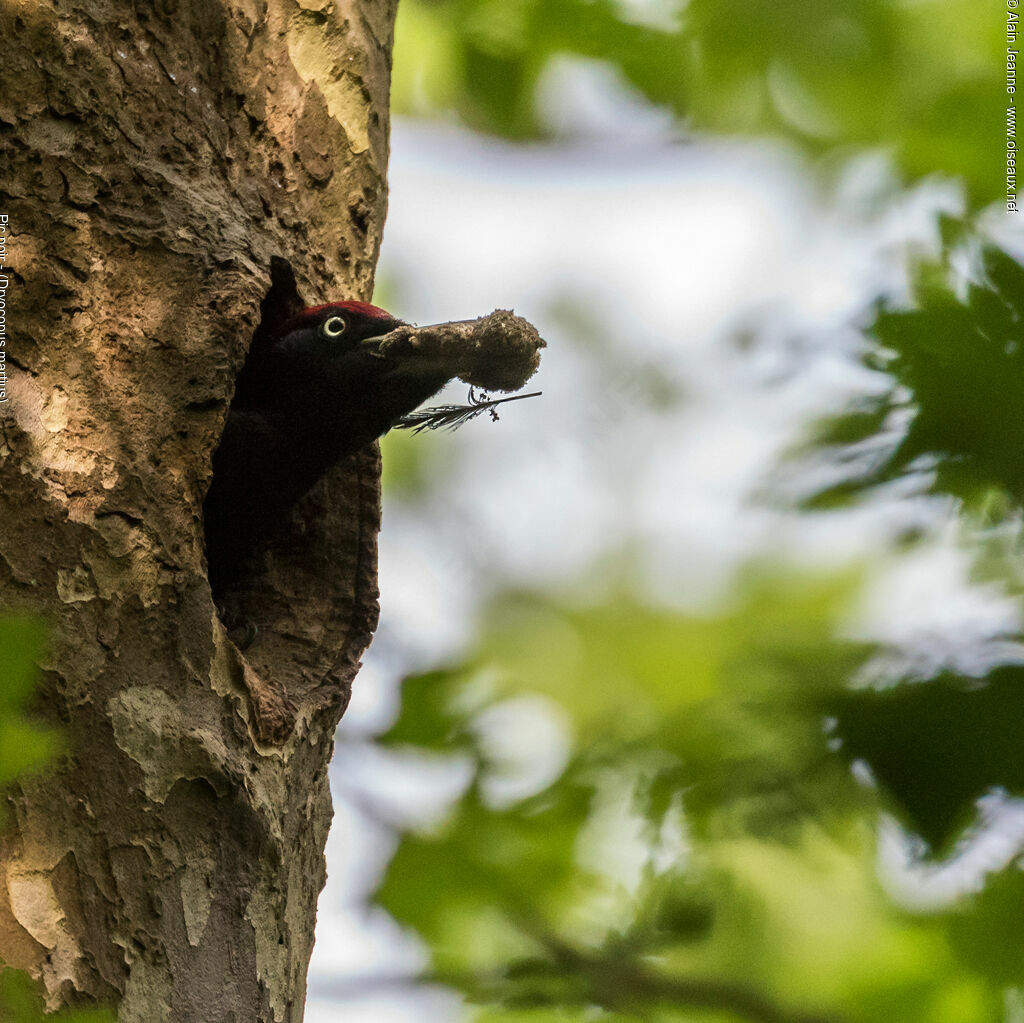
314 389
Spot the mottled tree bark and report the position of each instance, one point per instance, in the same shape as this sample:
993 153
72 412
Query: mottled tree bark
155 157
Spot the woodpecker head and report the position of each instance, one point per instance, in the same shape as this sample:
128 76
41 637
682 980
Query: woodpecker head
336 330
334 346
345 337
339 326
323 369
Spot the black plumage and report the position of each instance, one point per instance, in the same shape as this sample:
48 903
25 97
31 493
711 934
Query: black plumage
315 388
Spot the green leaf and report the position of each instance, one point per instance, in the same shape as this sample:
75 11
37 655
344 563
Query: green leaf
24 747
956 360
475 887
936 747
21 1002
24 744
986 931
433 715
22 641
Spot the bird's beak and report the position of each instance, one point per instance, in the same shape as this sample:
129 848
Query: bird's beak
371 345
404 352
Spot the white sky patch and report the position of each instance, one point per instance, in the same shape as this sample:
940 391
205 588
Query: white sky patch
990 847
527 740
924 609
580 98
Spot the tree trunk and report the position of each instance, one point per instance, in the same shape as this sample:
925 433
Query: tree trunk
156 156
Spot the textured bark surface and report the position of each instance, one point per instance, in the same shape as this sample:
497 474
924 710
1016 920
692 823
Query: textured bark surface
155 157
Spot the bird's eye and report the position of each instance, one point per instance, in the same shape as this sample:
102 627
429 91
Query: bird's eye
333 327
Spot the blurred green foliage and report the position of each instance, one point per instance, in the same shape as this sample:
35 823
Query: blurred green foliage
25 747
705 848
937 748
20 1003
951 418
412 465
24 744
736 763
953 404
703 851
676 817
920 79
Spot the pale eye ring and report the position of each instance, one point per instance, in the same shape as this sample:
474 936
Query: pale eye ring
334 326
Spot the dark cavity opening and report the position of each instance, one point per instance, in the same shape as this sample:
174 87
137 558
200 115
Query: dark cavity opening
233 533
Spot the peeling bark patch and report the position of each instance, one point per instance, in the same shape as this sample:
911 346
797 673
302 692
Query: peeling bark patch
35 904
320 140
272 960
360 210
147 995
274 714
197 896
135 573
75 586
318 50
37 909
149 727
